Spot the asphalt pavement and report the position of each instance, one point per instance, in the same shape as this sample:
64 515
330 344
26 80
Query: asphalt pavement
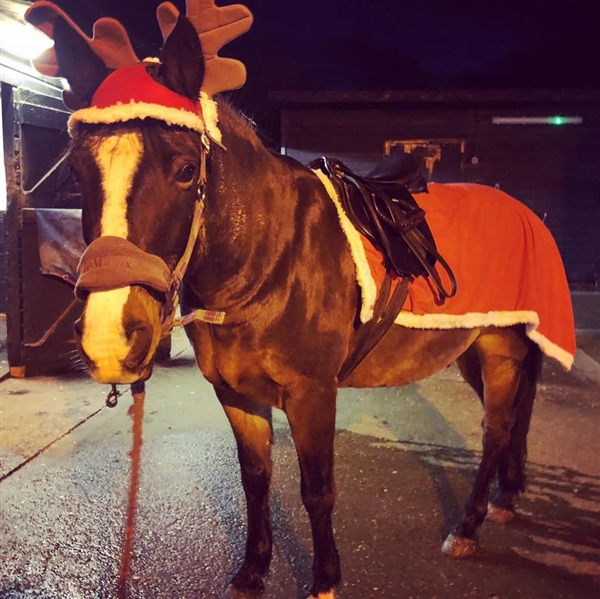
405 460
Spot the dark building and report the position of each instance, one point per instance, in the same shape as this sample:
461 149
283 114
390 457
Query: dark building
542 147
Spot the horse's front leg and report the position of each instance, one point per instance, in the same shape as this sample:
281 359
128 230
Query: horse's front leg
252 427
311 413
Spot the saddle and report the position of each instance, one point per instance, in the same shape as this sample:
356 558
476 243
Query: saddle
382 208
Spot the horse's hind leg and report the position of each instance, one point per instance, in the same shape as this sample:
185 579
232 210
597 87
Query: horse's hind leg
501 353
511 469
252 427
311 414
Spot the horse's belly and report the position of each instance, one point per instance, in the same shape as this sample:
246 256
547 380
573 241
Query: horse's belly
407 355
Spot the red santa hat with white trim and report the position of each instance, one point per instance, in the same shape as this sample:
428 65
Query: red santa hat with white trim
130 92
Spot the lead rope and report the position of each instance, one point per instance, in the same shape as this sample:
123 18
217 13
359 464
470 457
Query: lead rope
136 412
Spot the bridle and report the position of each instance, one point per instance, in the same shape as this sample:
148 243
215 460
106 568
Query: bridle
113 262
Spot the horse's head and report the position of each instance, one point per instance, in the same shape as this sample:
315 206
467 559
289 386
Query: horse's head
140 185
140 144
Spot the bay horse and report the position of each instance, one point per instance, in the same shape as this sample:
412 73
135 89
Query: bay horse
271 256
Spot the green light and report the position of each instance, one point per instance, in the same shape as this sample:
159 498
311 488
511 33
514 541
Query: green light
557 120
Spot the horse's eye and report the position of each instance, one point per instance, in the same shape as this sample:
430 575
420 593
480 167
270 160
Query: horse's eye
186 175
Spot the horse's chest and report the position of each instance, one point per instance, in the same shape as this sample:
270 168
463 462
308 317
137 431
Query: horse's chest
250 372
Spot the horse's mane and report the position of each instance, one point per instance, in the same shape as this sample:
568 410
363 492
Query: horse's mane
235 121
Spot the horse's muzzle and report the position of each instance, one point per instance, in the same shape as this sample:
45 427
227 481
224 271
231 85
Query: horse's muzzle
121 352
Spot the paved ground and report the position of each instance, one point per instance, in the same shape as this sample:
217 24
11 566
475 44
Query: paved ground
405 461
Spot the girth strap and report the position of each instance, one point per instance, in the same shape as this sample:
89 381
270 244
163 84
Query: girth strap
372 332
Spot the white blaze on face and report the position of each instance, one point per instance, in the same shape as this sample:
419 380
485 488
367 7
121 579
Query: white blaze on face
104 339
118 157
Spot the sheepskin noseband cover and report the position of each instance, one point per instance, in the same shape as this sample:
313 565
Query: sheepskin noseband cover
113 262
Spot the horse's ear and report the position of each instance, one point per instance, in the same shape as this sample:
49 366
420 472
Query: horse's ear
83 69
182 67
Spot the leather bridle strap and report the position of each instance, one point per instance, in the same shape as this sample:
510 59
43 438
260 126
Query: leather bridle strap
172 297
182 265
210 316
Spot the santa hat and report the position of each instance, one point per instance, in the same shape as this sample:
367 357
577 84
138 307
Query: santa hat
131 93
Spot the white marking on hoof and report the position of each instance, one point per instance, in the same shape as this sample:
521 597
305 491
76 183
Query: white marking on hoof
326 595
500 515
458 546
233 593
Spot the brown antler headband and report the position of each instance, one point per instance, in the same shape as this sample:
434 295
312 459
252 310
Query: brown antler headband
110 41
215 25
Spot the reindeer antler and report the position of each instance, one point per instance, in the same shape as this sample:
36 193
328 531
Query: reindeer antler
110 41
216 26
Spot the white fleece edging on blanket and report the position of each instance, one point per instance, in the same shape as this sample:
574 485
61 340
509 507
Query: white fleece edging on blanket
471 320
363 272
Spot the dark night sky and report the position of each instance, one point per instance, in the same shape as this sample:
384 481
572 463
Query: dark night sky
394 44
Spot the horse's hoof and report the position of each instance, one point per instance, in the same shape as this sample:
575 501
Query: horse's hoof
458 546
233 593
327 595
499 514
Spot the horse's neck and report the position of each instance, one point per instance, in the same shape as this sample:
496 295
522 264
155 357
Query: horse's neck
248 220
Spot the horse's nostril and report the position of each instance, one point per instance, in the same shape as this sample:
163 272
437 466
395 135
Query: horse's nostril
139 338
137 329
78 334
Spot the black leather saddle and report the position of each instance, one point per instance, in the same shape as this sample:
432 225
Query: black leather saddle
399 170
382 208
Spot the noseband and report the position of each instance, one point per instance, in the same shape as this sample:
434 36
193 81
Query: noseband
113 263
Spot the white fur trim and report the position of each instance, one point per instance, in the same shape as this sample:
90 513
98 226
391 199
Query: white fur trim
473 320
210 113
363 272
550 349
470 320
120 113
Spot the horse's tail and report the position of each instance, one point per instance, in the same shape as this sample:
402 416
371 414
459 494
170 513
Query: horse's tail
530 374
